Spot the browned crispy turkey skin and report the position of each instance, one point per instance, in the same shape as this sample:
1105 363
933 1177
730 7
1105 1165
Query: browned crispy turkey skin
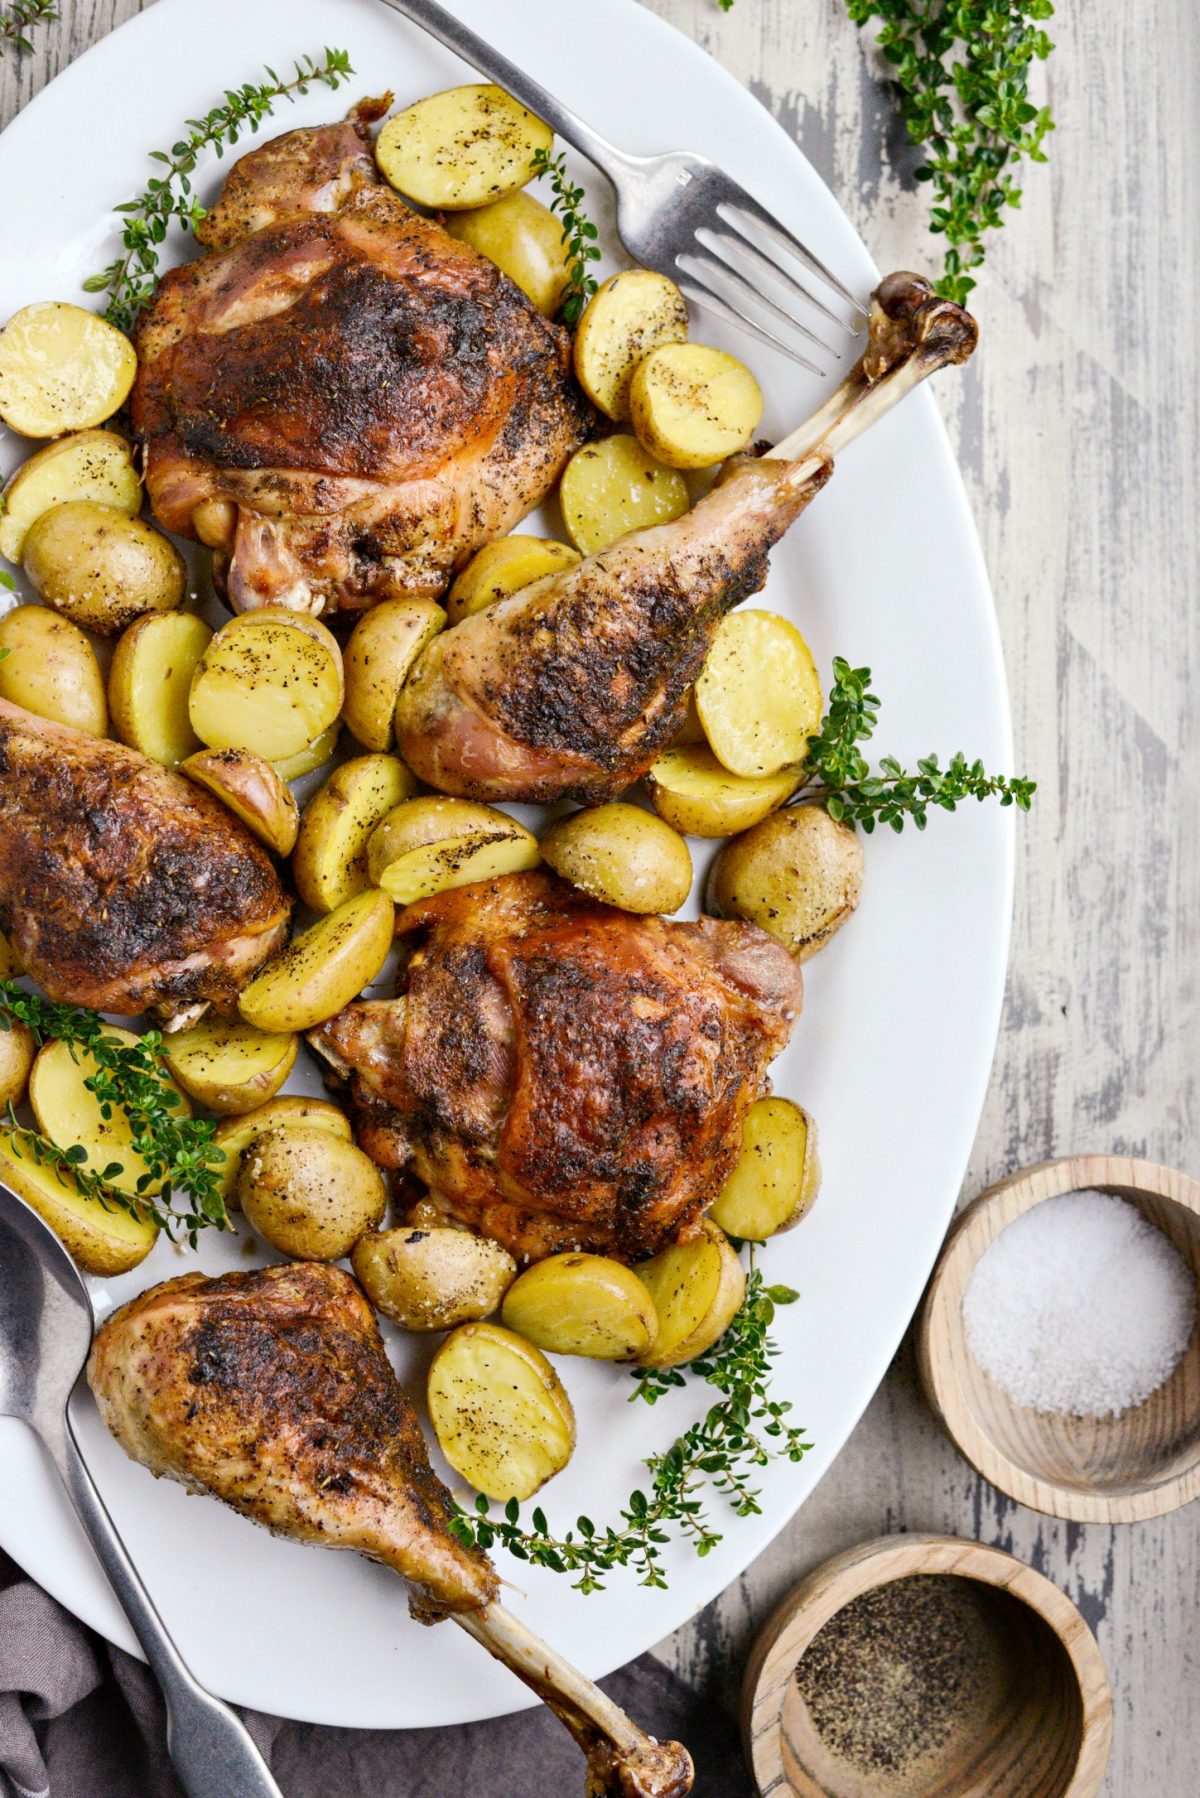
123 886
339 398
565 1075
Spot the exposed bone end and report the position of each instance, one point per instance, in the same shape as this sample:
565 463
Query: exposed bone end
908 318
657 1770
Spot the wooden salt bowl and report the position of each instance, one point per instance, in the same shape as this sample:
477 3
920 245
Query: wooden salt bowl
1041 1727
1122 1469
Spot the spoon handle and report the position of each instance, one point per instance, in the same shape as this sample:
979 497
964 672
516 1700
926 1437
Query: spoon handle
210 1747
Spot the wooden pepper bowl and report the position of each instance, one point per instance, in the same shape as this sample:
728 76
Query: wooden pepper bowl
1122 1469
1041 1727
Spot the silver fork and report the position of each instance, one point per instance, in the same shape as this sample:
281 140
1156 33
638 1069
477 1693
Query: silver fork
677 213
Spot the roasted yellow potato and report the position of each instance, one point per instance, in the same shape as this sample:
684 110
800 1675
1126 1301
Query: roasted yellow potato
693 792
615 486
432 1279
313 756
149 682
461 148
622 855
578 1304
777 1176
101 1239
500 1412
17 1050
235 1134
69 1113
51 669
505 567
697 1289
269 681
228 1066
309 1193
61 369
427 846
692 405
252 790
101 568
525 239
382 649
326 967
798 874
330 862
94 465
628 316
758 695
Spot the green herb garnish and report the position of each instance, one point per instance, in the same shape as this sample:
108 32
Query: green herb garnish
130 281
182 1160
841 779
16 19
744 1430
578 233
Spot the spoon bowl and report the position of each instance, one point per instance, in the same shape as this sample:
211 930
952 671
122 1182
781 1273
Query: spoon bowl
45 1320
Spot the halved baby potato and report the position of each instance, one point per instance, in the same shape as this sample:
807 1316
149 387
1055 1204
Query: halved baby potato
252 790
524 239
692 405
314 755
798 875
577 1304
461 148
777 1175
149 682
428 846
382 649
500 1412
758 695
96 465
50 668
70 1114
330 964
695 794
101 568
229 1066
615 486
432 1279
235 1135
18 1046
310 1193
270 681
62 369
505 567
627 317
697 1288
101 1239
330 862
622 855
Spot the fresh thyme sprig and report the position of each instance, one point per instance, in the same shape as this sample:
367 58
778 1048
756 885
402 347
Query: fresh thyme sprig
841 779
16 19
131 279
578 233
744 1430
182 1160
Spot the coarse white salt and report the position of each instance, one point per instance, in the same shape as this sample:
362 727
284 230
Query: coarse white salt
1080 1305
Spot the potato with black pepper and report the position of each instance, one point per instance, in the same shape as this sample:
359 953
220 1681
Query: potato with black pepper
576 1304
696 1288
48 666
500 1412
100 568
798 875
309 1193
432 1279
525 239
622 855
777 1175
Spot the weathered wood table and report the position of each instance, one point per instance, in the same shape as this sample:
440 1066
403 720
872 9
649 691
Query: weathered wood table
1078 429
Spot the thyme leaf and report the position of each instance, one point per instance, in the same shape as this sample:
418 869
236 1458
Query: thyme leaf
18 17
578 233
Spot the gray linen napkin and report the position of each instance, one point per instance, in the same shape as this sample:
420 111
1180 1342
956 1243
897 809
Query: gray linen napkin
79 1719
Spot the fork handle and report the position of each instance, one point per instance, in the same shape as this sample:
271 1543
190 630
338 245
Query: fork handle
210 1747
465 43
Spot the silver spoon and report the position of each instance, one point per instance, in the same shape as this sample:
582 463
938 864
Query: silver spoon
45 1339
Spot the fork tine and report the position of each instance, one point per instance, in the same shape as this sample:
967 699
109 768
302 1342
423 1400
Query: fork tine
718 244
728 247
693 288
728 210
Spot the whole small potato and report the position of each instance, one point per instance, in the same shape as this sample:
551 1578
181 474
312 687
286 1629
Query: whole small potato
432 1279
798 874
522 237
101 568
17 1050
51 670
310 1193
622 855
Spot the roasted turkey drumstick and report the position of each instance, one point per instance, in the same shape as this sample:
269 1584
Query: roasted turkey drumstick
271 1390
569 689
